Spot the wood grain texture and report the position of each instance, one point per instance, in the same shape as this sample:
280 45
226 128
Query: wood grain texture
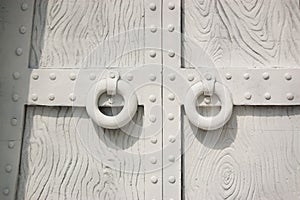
242 33
87 33
255 156
65 156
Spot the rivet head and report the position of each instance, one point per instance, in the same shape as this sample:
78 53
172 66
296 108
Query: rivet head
152 77
172 77
246 76
22 29
51 97
152 53
34 97
154 179
172 139
14 121
153 29
52 76
172 179
152 6
8 168
171 96
288 76
191 77
92 76
35 76
19 51
170 116
267 96
266 76
208 77
129 76
207 100
153 140
171 53
171 6
171 158
16 75
6 191
152 98
112 75
171 28
24 6
153 160
152 118
228 76
290 96
72 76
72 97
15 97
11 144
248 95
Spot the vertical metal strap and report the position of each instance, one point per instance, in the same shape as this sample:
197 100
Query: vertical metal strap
15 44
171 116
152 111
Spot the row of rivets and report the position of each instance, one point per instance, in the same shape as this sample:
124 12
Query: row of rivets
51 97
52 76
268 96
265 76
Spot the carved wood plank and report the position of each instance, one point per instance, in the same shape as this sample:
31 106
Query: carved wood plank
65 156
242 33
87 33
255 156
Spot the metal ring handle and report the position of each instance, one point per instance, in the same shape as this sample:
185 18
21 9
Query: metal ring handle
208 123
122 118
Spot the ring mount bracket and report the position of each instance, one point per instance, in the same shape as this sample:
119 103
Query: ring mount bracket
209 84
112 82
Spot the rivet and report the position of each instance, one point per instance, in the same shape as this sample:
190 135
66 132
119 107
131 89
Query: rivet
207 100
171 28
112 75
228 76
52 76
288 76
267 96
172 179
19 51
246 76
153 29
172 77
154 179
171 158
129 76
72 97
152 77
6 191
24 6
171 96
171 6
172 139
153 160
8 168
266 76
72 76
171 53
92 76
170 116
22 29
34 97
152 53
208 77
152 118
16 75
153 140
51 97
152 98
190 77
15 97
248 95
152 6
14 121
290 96
35 76
11 144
